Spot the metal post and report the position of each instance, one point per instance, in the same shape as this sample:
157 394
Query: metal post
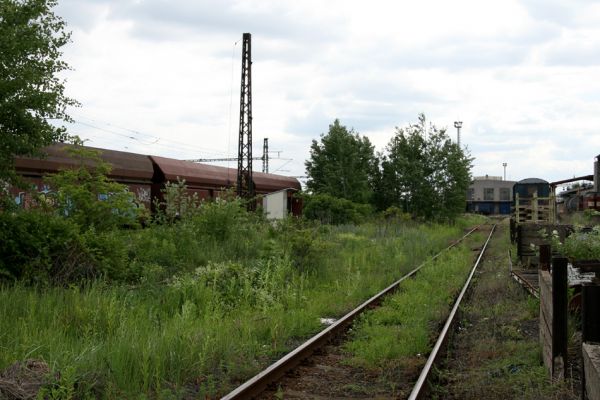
559 316
245 185
458 125
504 165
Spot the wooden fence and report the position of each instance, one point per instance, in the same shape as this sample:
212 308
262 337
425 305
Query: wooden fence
553 315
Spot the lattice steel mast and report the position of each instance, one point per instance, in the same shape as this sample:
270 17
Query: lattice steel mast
265 157
245 184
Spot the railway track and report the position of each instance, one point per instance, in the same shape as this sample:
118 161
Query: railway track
328 340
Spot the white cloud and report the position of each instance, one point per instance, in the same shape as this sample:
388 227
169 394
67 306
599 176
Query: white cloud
523 76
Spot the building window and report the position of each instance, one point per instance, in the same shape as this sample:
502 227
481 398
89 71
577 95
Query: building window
470 194
488 194
504 194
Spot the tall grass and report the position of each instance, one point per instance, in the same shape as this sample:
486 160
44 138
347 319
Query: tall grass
206 313
404 326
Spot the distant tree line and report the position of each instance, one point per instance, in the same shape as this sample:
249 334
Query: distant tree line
420 172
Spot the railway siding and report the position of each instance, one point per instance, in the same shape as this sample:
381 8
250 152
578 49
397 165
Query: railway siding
386 348
495 353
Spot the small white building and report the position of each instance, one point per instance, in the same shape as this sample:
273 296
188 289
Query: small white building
277 205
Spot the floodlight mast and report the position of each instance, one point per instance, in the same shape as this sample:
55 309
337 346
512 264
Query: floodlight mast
458 125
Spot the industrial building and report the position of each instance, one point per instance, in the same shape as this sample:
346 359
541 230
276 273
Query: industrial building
490 195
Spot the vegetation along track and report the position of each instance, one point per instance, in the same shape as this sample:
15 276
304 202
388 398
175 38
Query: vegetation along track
274 382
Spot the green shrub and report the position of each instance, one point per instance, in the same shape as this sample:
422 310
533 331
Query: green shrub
334 210
177 204
38 247
220 219
33 244
87 196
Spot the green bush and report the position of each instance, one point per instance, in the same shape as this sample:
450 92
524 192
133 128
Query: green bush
220 219
334 210
39 248
87 196
33 245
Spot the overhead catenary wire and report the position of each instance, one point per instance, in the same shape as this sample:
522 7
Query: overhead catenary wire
157 142
137 132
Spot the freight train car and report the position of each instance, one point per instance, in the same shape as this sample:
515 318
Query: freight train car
146 176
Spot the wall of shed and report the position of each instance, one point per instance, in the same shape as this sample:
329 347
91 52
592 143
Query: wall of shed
275 204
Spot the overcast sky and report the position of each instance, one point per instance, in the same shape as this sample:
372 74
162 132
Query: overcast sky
162 77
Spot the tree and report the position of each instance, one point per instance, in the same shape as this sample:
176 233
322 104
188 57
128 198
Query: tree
424 173
343 165
31 94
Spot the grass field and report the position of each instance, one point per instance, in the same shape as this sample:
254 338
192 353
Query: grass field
206 314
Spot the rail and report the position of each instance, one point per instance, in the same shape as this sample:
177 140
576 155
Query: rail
419 388
259 382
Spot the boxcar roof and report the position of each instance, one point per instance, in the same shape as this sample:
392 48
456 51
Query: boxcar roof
124 165
212 175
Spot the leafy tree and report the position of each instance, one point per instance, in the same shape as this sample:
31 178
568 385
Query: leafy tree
424 173
343 165
31 94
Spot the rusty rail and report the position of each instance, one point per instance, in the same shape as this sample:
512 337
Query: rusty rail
420 387
257 384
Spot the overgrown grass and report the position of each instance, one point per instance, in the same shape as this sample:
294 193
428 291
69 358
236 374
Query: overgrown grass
207 312
404 326
495 354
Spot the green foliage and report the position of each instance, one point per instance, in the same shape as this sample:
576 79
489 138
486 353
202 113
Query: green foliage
177 203
300 241
343 165
396 214
88 197
402 327
583 244
221 218
31 93
41 248
202 314
334 210
424 173
32 245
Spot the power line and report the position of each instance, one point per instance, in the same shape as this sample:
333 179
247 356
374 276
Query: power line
137 132
183 147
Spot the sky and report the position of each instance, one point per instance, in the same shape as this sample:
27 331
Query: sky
163 77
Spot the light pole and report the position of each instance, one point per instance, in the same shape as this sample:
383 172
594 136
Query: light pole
504 165
458 125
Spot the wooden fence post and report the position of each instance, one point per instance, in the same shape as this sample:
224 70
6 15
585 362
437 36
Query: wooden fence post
534 207
559 316
519 241
590 320
545 257
517 211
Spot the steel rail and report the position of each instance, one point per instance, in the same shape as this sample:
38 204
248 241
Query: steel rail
420 386
521 279
257 384
526 284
